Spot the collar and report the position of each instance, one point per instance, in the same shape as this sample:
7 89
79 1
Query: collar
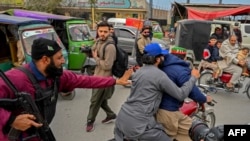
39 76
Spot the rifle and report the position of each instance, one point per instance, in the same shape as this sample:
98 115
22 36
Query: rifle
26 102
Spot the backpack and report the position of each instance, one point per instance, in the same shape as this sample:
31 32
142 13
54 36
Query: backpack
120 65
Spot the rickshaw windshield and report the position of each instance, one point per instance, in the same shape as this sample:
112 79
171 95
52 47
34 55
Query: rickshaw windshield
156 28
30 35
79 32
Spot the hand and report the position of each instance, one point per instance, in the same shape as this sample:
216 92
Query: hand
94 53
242 62
124 80
209 98
195 73
24 122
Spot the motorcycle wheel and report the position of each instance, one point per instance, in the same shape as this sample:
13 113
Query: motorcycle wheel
209 118
204 79
248 92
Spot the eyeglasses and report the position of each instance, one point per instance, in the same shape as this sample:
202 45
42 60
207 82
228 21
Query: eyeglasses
145 32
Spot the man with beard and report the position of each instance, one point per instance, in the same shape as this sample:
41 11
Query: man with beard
177 124
142 41
136 119
230 63
46 68
104 62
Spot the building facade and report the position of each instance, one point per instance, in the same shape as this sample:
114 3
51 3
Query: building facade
102 8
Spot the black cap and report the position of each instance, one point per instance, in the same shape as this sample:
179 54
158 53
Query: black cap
44 47
213 37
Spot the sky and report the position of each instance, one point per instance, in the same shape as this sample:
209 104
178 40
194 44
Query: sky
165 4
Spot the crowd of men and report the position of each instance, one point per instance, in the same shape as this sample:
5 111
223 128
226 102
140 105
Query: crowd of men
159 86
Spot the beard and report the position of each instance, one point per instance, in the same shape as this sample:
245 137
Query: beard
161 63
52 71
145 36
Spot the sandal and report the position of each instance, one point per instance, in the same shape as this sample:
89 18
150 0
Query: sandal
231 89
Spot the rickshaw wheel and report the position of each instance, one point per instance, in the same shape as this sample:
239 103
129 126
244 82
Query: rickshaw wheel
68 95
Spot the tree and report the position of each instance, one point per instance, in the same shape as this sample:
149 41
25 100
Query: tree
42 5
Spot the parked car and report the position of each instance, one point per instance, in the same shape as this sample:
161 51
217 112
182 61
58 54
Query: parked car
127 35
245 32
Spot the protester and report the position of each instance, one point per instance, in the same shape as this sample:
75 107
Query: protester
208 61
47 68
136 119
218 33
142 41
230 63
104 63
237 33
177 124
112 34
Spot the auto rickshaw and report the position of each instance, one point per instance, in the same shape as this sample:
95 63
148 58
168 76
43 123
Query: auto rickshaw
73 32
157 30
17 35
194 36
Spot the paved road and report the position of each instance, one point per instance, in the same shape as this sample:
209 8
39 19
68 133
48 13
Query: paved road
70 119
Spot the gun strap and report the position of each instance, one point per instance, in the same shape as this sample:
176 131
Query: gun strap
30 76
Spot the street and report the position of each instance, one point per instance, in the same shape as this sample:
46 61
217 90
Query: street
69 122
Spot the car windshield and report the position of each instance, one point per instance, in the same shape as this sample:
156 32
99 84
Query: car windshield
30 35
79 32
157 28
134 30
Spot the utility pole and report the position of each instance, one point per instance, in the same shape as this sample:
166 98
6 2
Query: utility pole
151 8
93 4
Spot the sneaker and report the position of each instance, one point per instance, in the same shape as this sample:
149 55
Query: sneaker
90 126
109 119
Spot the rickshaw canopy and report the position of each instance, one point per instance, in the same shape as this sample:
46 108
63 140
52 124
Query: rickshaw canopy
194 34
6 19
38 15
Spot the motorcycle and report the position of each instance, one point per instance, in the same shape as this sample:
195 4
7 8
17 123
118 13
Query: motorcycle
206 80
203 112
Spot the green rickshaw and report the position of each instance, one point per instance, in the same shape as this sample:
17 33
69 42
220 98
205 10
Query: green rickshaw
17 35
157 30
73 32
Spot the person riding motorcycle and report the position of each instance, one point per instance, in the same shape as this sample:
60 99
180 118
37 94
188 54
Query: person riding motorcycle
230 63
177 124
136 118
208 60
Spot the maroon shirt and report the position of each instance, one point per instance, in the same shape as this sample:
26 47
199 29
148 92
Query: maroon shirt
68 82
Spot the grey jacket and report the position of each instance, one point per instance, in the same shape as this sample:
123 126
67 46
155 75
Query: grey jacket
228 53
148 85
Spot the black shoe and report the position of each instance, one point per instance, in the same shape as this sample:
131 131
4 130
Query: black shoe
109 119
